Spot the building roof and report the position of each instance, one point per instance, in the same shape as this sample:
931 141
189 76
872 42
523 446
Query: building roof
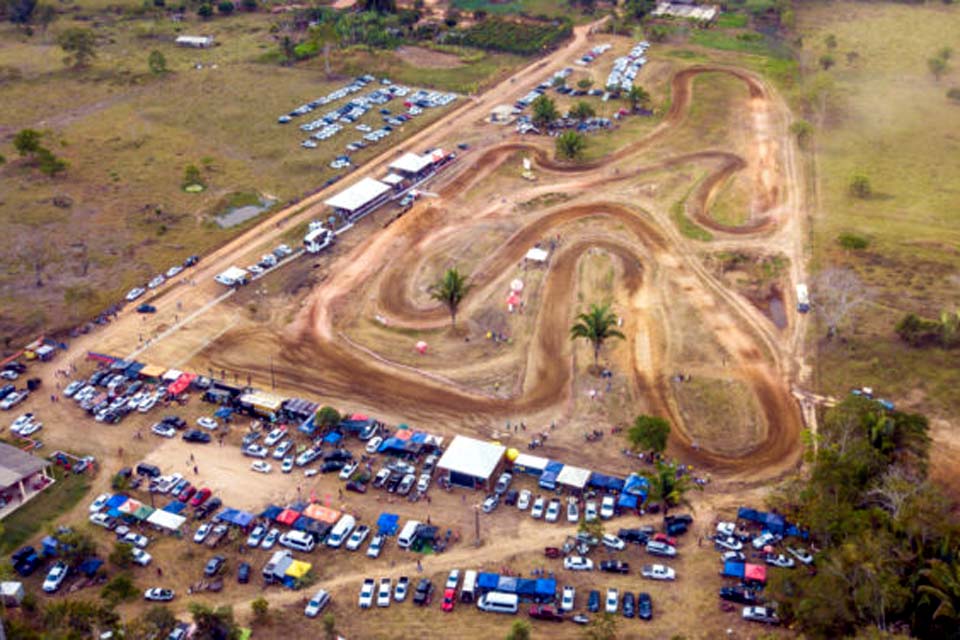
392 179
474 458
576 477
358 195
411 163
16 465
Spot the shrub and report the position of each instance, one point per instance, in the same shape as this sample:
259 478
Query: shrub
225 7
954 94
860 186
852 241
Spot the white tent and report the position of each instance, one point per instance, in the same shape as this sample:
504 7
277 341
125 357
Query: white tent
358 196
537 255
471 462
530 464
575 477
411 163
166 520
171 375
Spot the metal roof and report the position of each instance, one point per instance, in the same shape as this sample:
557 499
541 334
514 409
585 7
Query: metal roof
411 162
16 465
474 458
358 195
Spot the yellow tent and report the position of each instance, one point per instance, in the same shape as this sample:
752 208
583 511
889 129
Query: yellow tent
298 569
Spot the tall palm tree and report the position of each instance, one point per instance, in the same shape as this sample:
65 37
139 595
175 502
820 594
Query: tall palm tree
451 289
944 586
669 488
638 97
596 325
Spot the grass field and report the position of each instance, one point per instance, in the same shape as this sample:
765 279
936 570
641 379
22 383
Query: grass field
43 510
890 120
129 135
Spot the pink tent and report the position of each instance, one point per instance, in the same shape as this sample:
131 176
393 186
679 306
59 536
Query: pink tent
755 573
288 517
513 300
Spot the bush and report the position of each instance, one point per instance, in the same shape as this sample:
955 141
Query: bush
226 7
954 94
860 186
119 589
852 241
261 610
513 36
916 331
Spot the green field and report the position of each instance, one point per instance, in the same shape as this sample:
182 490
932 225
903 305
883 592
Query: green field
888 118
43 510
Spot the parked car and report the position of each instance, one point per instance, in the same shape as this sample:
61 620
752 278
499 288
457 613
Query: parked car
141 557
55 577
256 536
99 503
568 598
195 435
202 532
644 606
200 497
523 501
739 595
607 507
734 556
376 546
658 572
537 510
663 549
136 540
577 563
779 560
802 555
366 593
503 483
764 539
348 470
729 543
357 537
449 599
553 511
243 573
156 594
760 614
214 566
208 423
629 605
400 591
491 503
317 603
165 430
590 511
373 444
545 612
270 539
423 593
612 542
615 566
613 601
261 467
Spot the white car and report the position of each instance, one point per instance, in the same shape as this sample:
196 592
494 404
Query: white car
101 520
13 400
173 271
732 556
255 450
156 282
348 470
9 375
612 542
202 533
374 444
523 502
573 511
590 511
729 543
357 537
135 293
657 548
281 451
537 510
453 579
22 421
376 546
317 603
383 594
568 598
157 594
607 507
287 465
148 402
208 423
553 511
779 560
29 429
763 540
613 601
261 467
658 572
726 528
761 614
577 563
366 593
55 577
400 591
423 483
136 540
802 555
99 503
72 388
256 536
141 557
270 539
163 430
274 437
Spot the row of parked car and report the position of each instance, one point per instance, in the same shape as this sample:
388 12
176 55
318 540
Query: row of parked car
10 396
625 69
160 278
111 396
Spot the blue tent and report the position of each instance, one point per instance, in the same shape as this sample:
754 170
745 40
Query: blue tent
50 545
775 523
636 485
508 584
304 523
527 587
223 412
546 588
89 566
271 512
175 507
115 502
388 523
548 479
307 426
235 516
751 515
610 483
733 569
487 581
627 501
334 437
419 437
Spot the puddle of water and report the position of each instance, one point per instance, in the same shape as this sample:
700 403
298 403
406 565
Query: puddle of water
239 215
776 311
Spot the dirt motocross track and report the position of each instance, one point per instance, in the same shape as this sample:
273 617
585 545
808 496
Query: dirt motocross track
603 213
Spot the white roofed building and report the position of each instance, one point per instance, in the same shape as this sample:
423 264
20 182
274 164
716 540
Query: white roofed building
472 463
359 199
413 165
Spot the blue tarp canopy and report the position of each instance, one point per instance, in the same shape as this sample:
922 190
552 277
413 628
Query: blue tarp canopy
636 485
307 426
271 512
333 437
487 581
89 566
304 523
526 587
772 522
733 569
776 523
602 481
116 501
627 501
398 446
546 588
387 524
554 466
418 437
548 480
175 507
752 515
508 584
133 370
223 412
235 516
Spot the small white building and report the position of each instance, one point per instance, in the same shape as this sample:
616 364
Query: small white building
359 199
197 42
472 463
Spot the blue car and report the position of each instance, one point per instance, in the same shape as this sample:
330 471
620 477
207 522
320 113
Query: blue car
593 603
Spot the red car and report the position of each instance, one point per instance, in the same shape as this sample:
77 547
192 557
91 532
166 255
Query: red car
662 537
187 493
545 612
449 599
201 497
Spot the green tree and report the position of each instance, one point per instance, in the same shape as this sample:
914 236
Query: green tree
80 45
584 83
668 488
943 585
519 630
803 131
649 433
214 624
582 111
329 625
226 7
261 610
191 176
570 144
122 554
205 11
544 111
27 141
602 627
157 62
638 97
639 9
250 5
120 589
289 49
156 622
44 15
827 61
596 326
450 290
592 528
937 66
50 164
77 547
830 41
327 417
860 186
380 6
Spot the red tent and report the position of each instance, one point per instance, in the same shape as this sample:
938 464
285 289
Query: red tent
755 573
359 416
288 517
180 384
403 434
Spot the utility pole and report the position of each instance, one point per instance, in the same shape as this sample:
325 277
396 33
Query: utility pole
273 375
476 520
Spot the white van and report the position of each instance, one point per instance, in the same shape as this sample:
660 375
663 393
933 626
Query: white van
405 539
494 602
341 531
469 588
298 540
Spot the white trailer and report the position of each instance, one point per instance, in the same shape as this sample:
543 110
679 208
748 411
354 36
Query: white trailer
803 298
232 277
318 239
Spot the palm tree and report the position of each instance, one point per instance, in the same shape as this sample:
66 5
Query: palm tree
582 110
669 488
570 144
596 325
638 97
945 587
451 289
544 111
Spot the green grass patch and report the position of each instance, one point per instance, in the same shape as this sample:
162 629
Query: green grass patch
686 54
26 521
731 21
744 42
687 226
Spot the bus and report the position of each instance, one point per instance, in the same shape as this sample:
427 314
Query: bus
803 298
317 240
